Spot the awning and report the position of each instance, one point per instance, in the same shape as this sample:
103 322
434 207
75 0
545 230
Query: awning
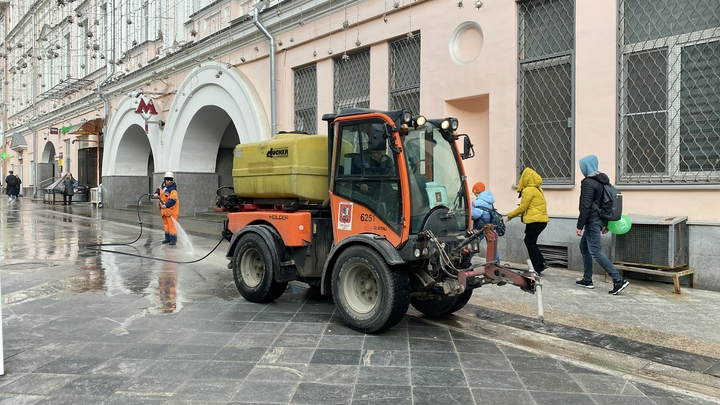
92 127
17 142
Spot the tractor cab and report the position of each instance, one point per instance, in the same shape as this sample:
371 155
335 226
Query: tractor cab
395 175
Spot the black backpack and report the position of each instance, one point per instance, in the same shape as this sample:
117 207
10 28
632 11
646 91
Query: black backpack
496 219
610 208
11 181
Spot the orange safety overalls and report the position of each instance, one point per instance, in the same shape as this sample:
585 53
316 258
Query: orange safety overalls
169 198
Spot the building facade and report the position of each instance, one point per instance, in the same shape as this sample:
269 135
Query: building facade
120 91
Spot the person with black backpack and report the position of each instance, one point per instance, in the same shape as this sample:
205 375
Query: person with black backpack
591 225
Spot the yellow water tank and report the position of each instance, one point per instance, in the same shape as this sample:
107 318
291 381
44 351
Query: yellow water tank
287 166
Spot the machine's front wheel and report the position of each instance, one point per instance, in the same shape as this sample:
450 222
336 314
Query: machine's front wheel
369 295
443 306
254 269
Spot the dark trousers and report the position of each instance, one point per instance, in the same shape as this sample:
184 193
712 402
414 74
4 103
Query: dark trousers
67 199
532 231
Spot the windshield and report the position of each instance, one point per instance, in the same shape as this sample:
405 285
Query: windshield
434 176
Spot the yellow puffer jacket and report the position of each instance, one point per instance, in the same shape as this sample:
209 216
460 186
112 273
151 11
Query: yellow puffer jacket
533 207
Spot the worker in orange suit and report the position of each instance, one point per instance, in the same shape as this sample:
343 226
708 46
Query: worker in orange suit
169 206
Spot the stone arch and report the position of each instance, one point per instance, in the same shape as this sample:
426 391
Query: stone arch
127 146
48 153
210 98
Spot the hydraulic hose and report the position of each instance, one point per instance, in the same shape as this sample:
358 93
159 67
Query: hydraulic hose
98 246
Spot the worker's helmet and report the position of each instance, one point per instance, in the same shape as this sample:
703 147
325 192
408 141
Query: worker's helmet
169 175
478 188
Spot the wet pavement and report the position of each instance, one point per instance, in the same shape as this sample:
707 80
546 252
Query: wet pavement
82 325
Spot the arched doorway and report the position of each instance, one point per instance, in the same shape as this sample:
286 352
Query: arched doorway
47 169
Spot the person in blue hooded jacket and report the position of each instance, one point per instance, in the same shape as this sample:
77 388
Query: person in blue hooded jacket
590 226
483 199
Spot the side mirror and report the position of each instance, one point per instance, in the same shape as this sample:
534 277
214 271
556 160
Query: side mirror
468 150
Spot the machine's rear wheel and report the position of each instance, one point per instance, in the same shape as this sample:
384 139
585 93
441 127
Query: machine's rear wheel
443 306
369 295
254 269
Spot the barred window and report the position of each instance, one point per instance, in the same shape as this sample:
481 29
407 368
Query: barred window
306 99
352 81
669 100
405 74
545 89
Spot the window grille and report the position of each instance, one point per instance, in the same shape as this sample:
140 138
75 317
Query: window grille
306 99
546 89
352 81
405 74
669 99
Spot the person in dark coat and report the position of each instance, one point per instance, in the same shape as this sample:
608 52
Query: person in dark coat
16 193
10 186
590 226
68 188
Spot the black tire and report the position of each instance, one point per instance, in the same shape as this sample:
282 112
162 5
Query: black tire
254 266
369 295
443 306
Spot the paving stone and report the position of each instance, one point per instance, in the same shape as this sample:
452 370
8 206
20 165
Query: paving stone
371 394
395 376
71 364
441 395
231 370
388 358
287 355
264 392
438 377
336 356
321 394
219 391
434 359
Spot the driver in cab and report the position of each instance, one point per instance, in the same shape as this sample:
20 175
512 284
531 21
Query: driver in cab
376 163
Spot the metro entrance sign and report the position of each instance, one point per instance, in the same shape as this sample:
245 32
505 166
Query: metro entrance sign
146 109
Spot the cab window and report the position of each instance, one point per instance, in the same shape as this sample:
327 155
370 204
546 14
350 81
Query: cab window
367 175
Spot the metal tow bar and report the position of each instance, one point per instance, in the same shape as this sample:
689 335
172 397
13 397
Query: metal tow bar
496 273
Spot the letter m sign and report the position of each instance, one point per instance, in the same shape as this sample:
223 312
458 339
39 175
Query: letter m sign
146 109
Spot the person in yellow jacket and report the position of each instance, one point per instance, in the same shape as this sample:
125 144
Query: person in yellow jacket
533 210
169 206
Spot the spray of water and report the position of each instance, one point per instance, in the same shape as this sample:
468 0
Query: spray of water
183 242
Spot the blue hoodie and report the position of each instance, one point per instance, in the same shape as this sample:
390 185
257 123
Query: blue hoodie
589 165
479 216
